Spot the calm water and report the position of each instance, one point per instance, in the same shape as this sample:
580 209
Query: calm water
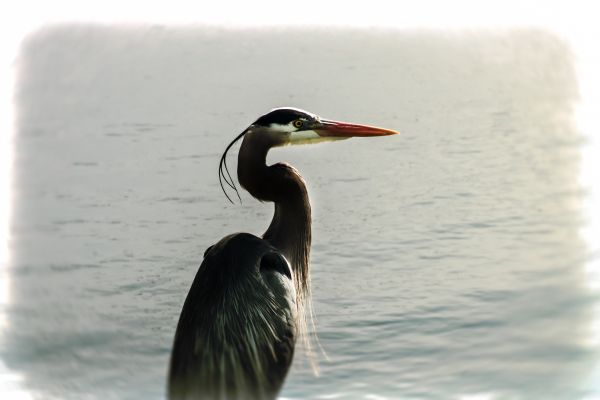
446 261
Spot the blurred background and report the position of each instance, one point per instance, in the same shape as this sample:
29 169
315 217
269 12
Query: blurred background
457 260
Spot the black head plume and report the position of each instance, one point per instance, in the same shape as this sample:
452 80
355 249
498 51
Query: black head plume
224 170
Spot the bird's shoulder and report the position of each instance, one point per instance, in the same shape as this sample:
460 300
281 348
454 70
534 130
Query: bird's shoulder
236 241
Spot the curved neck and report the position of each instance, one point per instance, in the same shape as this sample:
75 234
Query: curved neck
290 228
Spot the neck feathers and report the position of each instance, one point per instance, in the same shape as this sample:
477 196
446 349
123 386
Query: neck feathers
290 228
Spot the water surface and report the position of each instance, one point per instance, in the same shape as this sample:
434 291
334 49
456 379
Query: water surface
446 261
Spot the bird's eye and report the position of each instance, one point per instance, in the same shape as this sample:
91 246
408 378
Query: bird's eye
298 123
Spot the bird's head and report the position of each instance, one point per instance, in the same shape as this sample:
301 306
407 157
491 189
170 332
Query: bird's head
286 126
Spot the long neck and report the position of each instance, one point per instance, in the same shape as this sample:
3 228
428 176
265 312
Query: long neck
290 228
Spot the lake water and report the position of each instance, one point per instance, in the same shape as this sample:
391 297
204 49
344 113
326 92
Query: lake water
446 261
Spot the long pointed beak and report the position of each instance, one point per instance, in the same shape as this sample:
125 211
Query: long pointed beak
328 128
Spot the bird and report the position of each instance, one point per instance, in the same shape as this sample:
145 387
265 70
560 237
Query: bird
250 299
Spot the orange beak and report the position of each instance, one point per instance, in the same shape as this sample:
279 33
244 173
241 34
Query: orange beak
328 128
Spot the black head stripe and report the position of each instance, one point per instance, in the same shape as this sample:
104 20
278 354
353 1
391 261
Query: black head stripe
282 116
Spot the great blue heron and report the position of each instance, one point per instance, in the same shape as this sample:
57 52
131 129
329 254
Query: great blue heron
250 298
